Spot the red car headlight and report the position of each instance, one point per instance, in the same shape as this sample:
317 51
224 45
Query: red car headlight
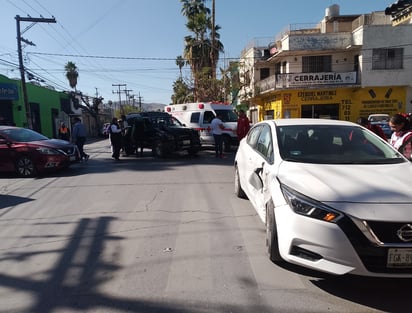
48 151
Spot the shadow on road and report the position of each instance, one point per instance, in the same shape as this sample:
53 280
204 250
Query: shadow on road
102 162
74 282
383 294
387 295
8 201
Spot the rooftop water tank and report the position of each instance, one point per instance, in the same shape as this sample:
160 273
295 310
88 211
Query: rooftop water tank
332 11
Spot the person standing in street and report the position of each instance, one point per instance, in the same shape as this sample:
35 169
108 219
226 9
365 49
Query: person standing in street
217 130
401 138
138 135
126 136
372 127
79 137
243 125
115 138
64 132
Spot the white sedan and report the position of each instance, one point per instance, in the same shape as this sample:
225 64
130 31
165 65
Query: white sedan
334 196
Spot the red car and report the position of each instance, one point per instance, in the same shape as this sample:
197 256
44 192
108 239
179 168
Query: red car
28 153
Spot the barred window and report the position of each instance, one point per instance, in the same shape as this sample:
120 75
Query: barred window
264 73
387 58
316 64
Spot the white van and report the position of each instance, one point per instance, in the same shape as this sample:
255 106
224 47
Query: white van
199 116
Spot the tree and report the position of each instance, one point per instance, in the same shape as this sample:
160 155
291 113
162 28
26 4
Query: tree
97 101
71 74
202 49
209 89
182 93
180 62
193 7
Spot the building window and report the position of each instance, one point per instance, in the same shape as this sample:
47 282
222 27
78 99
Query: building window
264 73
284 66
316 64
278 67
387 58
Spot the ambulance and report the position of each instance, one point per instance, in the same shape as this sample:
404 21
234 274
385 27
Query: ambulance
200 115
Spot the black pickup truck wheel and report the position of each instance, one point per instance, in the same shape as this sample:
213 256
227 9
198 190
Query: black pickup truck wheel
159 150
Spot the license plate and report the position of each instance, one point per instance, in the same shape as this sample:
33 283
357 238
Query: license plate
399 258
186 142
51 164
72 158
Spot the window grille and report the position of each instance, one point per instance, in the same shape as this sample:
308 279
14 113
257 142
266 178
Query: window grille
316 64
387 58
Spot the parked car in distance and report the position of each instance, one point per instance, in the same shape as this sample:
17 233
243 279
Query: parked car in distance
28 153
317 186
163 134
383 121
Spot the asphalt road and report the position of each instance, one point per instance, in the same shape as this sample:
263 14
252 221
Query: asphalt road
148 235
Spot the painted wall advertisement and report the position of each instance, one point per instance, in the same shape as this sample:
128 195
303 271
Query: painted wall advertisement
353 102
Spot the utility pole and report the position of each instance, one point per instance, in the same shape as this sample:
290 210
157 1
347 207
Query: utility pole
127 92
119 92
140 102
133 102
214 51
29 118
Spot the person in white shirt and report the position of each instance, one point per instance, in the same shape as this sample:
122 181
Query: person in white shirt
115 138
217 130
402 135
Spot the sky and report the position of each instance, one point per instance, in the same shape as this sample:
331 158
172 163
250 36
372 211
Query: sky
132 44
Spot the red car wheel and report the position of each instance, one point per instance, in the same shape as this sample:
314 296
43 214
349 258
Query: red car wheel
25 167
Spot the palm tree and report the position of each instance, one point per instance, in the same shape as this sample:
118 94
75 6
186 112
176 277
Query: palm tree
201 52
71 74
193 7
180 62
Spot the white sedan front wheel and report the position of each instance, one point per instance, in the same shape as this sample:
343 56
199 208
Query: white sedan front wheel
271 235
238 188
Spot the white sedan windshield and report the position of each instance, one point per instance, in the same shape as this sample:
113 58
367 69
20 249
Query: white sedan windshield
328 144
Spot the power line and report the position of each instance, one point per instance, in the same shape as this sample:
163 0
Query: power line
72 40
103 57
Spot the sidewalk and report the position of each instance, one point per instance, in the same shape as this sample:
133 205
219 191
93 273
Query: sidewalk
90 140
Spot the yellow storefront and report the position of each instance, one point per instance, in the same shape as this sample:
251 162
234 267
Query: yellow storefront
339 103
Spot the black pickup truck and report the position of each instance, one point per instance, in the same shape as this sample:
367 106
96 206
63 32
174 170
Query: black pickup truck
160 132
